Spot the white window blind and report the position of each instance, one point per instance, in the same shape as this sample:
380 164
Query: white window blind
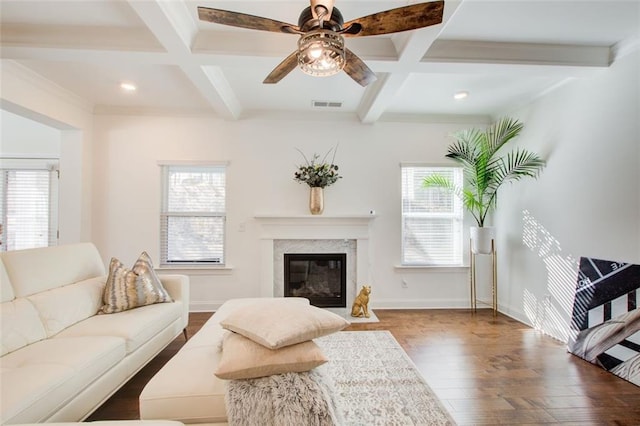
28 204
431 219
193 215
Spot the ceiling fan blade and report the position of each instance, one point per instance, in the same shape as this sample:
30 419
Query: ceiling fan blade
358 70
351 30
242 20
283 68
400 19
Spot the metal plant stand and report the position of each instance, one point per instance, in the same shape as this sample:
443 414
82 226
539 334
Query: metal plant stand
494 281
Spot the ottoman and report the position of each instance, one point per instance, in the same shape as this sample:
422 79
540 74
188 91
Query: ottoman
185 388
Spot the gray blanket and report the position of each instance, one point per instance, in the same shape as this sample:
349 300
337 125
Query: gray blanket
281 400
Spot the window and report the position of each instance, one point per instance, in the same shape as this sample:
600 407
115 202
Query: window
431 219
28 203
193 216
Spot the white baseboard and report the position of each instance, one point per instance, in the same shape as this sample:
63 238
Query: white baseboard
210 306
419 304
516 314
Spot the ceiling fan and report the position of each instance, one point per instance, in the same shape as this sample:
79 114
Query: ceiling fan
321 50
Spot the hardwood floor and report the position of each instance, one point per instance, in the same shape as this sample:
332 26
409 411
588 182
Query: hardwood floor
486 370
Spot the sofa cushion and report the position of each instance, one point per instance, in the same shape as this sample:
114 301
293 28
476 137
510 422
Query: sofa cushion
20 324
127 289
34 270
64 306
280 323
245 359
135 326
6 292
44 376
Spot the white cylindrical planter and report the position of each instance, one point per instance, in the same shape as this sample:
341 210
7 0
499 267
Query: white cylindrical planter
481 239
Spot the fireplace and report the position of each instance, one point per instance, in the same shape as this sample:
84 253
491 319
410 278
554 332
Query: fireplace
282 234
320 277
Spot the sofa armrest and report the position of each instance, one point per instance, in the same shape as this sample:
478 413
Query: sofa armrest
178 288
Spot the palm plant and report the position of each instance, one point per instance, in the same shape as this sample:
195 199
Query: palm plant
485 172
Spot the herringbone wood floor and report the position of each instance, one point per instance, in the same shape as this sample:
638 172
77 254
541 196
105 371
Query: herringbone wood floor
487 370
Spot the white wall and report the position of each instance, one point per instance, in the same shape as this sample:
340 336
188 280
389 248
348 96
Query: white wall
29 95
23 137
262 156
586 202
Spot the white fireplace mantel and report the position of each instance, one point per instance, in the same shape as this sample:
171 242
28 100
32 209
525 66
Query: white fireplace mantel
312 227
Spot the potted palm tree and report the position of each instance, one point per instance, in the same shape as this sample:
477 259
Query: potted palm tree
485 172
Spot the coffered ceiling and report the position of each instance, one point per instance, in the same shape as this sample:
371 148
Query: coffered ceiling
503 53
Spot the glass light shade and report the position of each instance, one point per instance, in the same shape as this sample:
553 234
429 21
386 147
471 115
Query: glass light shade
321 53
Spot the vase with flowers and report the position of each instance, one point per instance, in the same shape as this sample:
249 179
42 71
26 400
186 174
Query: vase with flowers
318 173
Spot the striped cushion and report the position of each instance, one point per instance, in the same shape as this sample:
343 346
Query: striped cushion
127 289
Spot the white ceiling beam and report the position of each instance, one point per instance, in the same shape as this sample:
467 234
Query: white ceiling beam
411 47
215 87
167 28
517 53
378 96
455 65
172 25
523 69
254 43
82 37
90 55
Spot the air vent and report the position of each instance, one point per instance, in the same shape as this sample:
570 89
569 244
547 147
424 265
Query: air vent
326 104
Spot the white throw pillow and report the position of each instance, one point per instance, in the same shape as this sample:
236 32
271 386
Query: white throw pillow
245 359
279 324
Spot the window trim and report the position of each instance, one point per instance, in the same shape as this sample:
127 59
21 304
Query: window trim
165 264
460 216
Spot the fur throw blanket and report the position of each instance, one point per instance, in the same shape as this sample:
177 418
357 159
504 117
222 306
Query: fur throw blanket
282 400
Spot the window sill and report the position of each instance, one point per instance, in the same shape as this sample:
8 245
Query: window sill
195 270
428 268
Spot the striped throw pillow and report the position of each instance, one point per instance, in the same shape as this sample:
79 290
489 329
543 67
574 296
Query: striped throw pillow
127 289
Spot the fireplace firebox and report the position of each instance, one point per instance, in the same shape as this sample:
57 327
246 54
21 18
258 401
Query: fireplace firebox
320 277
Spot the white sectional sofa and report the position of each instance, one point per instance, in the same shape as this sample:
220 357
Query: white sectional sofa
60 359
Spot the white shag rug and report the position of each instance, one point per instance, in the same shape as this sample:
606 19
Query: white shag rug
369 380
377 383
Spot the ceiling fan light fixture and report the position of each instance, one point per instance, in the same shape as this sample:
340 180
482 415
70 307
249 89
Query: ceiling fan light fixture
321 53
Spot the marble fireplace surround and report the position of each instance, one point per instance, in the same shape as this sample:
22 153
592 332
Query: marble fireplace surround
313 234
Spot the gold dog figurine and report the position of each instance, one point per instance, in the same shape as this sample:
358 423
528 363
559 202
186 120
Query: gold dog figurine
361 303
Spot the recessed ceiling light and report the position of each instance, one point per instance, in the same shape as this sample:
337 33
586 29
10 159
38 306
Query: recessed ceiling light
460 95
128 87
